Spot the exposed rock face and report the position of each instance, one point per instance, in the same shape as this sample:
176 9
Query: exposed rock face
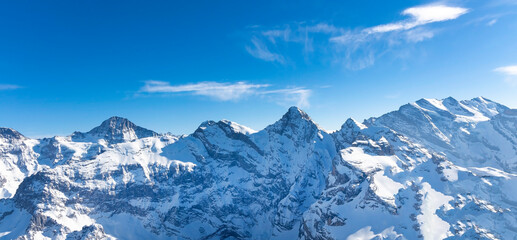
434 169
10 134
115 130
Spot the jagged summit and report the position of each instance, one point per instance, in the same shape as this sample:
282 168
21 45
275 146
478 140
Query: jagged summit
294 117
481 99
473 110
351 123
349 131
10 133
294 113
117 122
486 106
295 123
115 130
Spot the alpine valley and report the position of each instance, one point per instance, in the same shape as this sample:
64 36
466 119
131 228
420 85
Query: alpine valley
433 169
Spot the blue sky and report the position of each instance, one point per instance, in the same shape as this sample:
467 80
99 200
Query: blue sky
170 65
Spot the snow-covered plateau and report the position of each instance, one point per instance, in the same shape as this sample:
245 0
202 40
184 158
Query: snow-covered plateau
433 169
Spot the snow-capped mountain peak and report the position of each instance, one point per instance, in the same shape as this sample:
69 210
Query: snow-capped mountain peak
296 124
353 124
115 130
9 133
293 118
296 113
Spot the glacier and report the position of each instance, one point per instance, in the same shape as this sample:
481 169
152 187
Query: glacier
433 169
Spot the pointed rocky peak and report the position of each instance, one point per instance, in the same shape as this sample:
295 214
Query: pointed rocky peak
113 125
116 130
482 99
422 101
456 107
9 133
296 117
294 123
450 101
475 110
117 122
409 109
450 98
432 104
485 106
353 125
295 114
349 131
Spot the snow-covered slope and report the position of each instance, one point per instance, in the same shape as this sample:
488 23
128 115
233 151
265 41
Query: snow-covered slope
434 169
476 132
17 160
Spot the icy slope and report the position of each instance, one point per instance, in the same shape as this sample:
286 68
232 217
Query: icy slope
384 186
476 132
17 160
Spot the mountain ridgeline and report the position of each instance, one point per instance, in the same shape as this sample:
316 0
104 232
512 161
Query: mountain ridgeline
433 169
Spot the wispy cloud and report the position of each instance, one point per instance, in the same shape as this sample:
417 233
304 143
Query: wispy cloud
232 91
490 18
357 48
510 73
418 35
361 48
9 86
219 91
288 96
297 32
261 51
263 40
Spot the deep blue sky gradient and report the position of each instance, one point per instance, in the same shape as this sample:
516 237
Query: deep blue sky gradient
77 63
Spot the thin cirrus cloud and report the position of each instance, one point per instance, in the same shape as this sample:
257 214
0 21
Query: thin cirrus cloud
261 51
510 73
492 22
356 49
359 49
9 86
222 91
298 96
219 91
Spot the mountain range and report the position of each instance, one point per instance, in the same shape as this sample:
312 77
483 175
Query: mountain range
433 169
